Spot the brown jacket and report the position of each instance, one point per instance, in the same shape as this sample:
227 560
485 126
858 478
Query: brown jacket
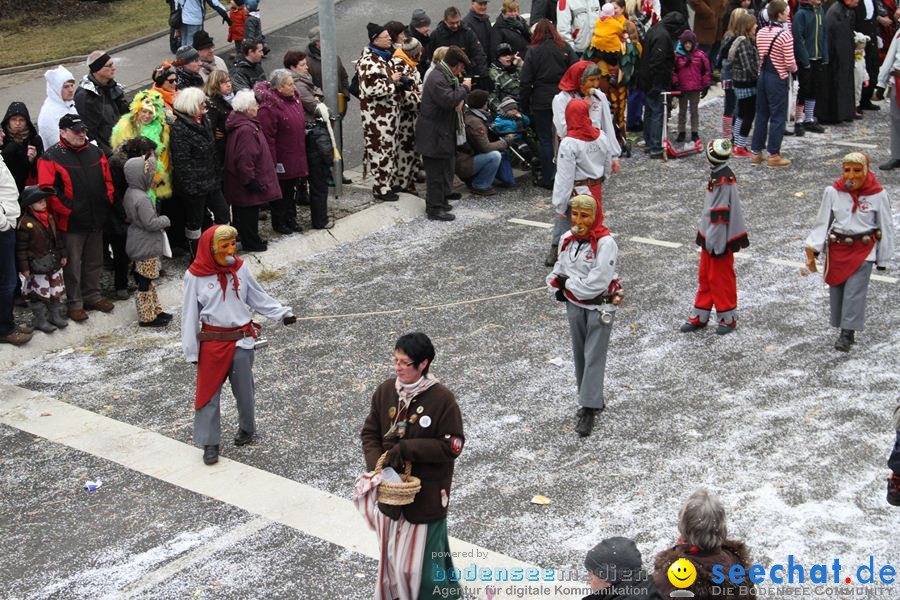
732 553
33 240
708 20
432 450
477 142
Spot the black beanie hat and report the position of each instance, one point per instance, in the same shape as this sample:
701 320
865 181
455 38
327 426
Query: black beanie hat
374 30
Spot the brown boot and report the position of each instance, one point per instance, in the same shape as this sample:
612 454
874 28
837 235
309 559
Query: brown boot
16 338
777 160
103 305
758 158
78 314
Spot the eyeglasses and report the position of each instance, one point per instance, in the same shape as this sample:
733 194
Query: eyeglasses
108 65
402 363
384 36
173 80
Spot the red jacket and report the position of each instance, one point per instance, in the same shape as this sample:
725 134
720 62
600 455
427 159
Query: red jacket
82 183
236 29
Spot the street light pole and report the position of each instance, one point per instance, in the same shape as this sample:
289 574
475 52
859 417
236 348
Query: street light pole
330 83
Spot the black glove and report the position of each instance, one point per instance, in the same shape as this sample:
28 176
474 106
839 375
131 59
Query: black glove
879 93
561 281
394 458
289 320
704 92
253 186
881 268
561 296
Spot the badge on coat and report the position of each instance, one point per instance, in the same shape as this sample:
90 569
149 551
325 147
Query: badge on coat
456 444
210 286
392 411
445 500
420 410
412 419
425 421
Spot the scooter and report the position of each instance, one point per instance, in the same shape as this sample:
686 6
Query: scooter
668 148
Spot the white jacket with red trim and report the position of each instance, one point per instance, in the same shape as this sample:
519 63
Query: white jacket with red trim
575 22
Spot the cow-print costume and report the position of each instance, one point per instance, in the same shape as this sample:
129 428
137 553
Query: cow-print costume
379 107
408 160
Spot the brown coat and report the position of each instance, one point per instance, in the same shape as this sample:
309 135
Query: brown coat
33 240
732 553
477 142
708 20
432 450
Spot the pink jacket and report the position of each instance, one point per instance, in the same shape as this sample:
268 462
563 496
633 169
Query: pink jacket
691 71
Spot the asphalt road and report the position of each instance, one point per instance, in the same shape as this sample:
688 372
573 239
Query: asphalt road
792 434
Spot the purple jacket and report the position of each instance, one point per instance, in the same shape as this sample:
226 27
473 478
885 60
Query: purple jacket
284 125
691 71
247 157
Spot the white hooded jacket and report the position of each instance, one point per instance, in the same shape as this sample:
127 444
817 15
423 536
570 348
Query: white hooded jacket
54 106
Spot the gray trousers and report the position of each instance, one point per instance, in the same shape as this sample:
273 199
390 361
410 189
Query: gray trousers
438 182
560 226
590 340
207 426
84 267
848 300
895 125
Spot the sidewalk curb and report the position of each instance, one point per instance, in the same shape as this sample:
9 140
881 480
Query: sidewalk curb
143 40
280 254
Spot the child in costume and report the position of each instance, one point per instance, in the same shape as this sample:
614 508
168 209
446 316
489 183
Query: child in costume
40 257
855 229
691 77
721 233
585 278
860 75
219 335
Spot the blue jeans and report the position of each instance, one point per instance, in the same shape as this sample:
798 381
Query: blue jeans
634 116
505 172
771 110
8 278
653 119
484 169
187 33
543 125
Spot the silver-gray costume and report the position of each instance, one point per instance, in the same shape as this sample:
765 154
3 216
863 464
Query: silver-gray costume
590 313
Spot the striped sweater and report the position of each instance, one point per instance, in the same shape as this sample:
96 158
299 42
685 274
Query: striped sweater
782 51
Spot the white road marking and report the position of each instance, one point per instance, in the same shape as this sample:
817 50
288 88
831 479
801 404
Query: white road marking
856 145
531 223
272 497
643 240
786 263
884 278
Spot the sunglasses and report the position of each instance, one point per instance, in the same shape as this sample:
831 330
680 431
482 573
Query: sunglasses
173 80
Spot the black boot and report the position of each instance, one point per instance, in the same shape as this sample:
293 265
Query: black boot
551 256
689 327
844 341
55 316
192 247
893 490
242 438
211 454
586 421
40 316
799 130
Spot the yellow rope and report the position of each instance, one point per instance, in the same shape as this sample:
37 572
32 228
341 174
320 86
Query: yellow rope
431 307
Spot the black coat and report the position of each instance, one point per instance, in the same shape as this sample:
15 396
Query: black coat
15 154
217 114
545 65
840 104
542 9
481 26
186 79
466 39
513 31
423 64
658 57
246 74
194 167
100 107
314 60
437 121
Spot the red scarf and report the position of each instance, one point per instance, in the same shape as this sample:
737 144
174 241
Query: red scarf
597 230
42 216
869 187
571 81
578 122
205 263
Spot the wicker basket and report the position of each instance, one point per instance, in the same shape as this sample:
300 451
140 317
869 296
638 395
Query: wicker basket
398 494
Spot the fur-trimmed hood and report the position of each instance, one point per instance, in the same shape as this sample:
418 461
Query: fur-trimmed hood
733 552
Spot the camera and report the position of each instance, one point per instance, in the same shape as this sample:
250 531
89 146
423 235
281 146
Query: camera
406 83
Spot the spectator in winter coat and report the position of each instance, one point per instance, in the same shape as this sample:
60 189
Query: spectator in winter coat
453 32
811 52
9 213
253 26
505 75
547 60
99 100
744 61
187 68
655 75
192 15
248 71
704 542
209 62
314 61
284 125
79 176
22 146
419 28
165 78
218 106
510 28
708 25
480 23
575 20
194 169
542 9
691 77
250 179
839 105
59 101
479 160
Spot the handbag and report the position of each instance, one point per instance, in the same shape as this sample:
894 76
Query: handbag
45 265
354 86
175 19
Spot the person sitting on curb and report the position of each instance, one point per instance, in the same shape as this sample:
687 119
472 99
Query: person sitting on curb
483 157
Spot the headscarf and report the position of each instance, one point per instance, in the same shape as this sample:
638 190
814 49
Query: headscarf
597 230
205 263
869 187
578 122
571 81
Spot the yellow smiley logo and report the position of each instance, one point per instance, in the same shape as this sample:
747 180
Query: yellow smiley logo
682 573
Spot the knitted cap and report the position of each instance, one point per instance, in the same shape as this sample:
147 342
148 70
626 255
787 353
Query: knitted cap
187 54
202 40
411 46
509 103
374 30
718 151
315 34
419 18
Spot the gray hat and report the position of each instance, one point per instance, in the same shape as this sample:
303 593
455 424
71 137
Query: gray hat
419 18
315 34
187 54
508 104
614 560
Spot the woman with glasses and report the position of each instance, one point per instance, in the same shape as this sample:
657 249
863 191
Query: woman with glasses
379 107
164 80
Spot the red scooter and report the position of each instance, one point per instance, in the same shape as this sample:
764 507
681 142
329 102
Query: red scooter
668 148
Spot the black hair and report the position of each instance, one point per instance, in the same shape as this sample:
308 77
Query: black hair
249 45
456 56
451 11
394 29
477 99
418 347
138 146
